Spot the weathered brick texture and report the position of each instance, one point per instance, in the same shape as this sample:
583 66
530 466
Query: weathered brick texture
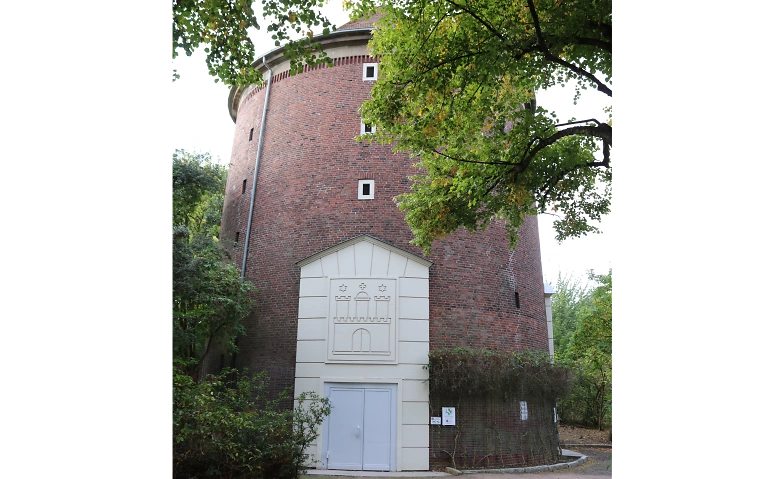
306 201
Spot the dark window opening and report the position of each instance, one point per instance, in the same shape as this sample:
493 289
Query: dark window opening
368 128
250 137
370 72
517 299
244 183
236 238
366 189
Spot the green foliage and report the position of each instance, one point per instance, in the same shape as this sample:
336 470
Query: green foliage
569 297
222 27
209 298
197 191
457 90
463 372
586 349
226 428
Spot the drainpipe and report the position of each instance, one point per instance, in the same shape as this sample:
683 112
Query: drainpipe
548 310
256 169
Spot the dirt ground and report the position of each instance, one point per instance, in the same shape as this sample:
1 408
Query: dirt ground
583 435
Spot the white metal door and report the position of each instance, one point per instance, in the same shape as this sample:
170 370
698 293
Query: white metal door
345 429
360 428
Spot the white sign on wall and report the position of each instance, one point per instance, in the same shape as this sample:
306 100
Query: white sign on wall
435 421
448 414
523 411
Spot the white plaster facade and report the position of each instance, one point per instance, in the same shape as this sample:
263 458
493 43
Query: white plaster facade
363 323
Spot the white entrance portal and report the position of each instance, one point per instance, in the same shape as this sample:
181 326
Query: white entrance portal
361 427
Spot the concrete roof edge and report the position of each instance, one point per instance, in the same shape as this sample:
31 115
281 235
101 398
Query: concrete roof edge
369 239
276 56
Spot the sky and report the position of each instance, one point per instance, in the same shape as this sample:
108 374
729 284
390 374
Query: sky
201 122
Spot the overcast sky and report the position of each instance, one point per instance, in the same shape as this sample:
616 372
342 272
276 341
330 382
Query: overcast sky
201 122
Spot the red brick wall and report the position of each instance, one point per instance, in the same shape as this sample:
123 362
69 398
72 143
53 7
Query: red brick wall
488 433
306 201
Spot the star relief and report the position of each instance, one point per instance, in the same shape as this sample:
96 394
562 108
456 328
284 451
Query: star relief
343 287
382 288
362 286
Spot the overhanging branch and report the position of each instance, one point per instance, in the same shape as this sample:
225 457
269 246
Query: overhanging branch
542 47
603 131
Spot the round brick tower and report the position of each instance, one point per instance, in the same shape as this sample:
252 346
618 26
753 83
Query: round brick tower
346 306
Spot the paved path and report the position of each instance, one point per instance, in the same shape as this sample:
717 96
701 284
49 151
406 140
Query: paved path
594 468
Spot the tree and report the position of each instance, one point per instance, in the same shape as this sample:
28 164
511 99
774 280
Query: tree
584 322
457 89
210 299
569 298
222 26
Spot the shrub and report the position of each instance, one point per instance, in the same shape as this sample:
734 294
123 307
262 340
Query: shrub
224 427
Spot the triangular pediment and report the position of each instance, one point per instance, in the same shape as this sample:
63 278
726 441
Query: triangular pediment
368 241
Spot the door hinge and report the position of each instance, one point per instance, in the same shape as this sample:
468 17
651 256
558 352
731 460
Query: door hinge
327 454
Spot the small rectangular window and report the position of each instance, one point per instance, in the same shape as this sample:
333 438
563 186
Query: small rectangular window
250 137
365 128
517 299
244 182
236 238
369 71
365 190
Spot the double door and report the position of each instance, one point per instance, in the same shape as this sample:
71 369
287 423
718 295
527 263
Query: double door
361 427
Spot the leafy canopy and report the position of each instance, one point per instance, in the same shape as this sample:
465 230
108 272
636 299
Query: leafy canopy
222 26
570 297
209 298
457 89
582 324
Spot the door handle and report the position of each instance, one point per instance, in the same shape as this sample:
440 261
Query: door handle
357 431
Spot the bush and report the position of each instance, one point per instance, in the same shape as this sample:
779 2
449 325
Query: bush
224 427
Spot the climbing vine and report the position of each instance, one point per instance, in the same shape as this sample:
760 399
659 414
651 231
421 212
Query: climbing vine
470 373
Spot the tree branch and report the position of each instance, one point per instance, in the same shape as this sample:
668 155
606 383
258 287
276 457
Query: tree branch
603 131
578 122
579 71
547 54
604 45
478 19
420 75
558 177
461 160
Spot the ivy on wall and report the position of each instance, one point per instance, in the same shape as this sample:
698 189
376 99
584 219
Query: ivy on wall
470 373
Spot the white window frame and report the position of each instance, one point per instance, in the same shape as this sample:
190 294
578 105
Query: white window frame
372 194
364 72
362 131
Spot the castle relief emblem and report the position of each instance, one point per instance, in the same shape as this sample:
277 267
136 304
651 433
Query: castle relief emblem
362 324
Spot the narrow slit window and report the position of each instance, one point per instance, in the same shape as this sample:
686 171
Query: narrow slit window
236 238
365 191
517 300
244 183
369 71
250 136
